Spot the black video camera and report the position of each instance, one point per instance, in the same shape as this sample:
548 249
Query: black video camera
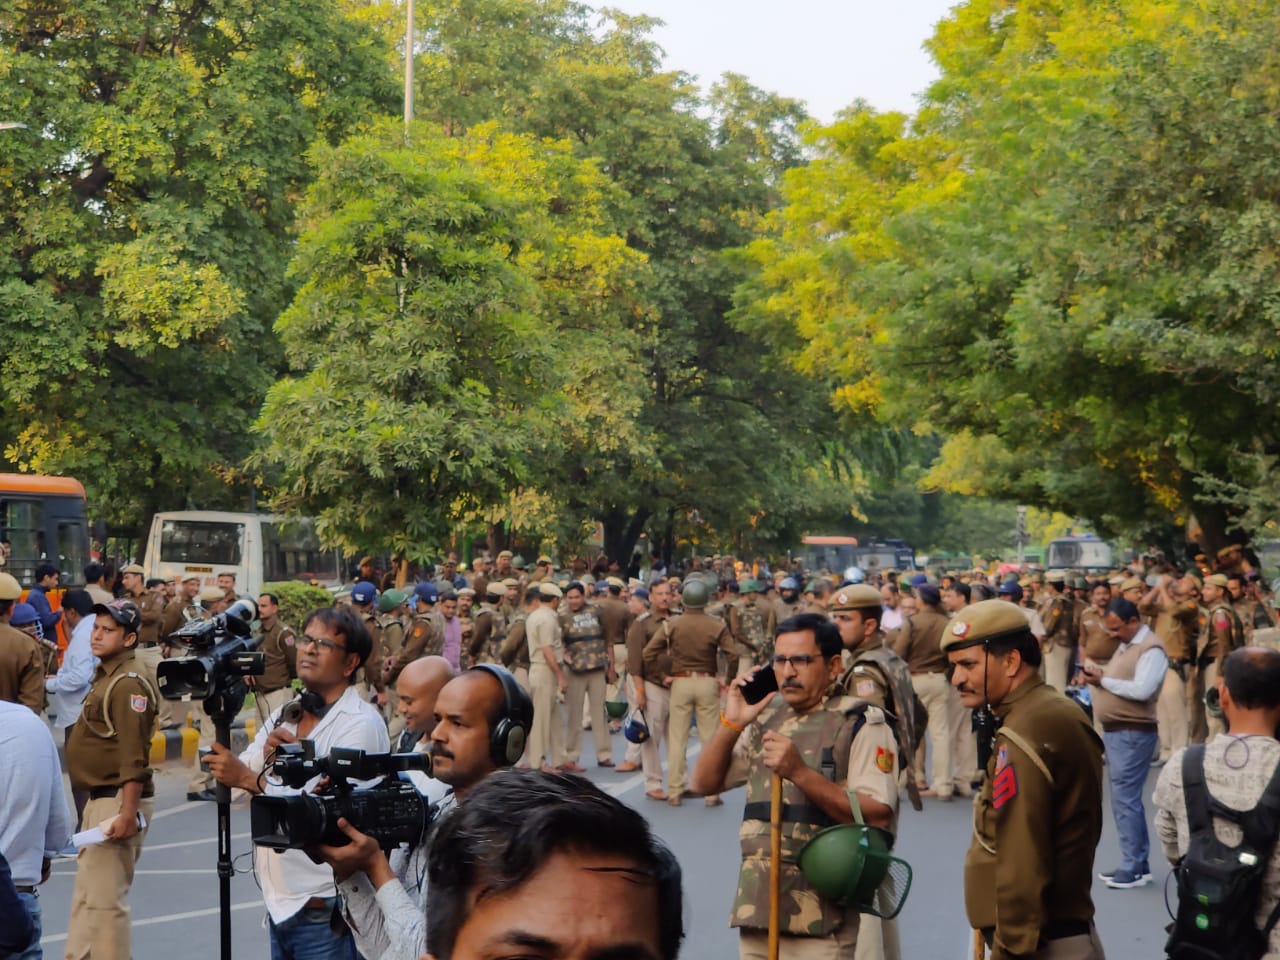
223 653
391 811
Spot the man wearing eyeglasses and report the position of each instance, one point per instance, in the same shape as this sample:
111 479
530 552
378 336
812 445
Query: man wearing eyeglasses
300 895
831 751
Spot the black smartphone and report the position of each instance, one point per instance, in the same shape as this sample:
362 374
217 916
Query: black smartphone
763 684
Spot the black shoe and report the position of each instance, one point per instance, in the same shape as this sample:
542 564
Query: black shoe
205 794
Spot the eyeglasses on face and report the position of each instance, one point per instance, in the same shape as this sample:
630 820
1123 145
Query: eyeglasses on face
321 643
800 660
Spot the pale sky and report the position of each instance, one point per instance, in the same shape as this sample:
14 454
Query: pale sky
825 52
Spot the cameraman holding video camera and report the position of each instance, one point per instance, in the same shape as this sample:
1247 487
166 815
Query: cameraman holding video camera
481 721
300 895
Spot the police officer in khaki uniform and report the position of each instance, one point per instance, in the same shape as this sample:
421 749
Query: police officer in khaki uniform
693 640
546 677
752 622
615 620
1038 817
149 604
589 662
426 633
392 614
1220 633
650 678
514 651
21 655
1057 612
490 626
279 646
107 756
1169 609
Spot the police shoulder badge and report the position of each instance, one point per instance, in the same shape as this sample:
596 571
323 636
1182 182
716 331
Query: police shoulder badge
884 760
289 640
138 703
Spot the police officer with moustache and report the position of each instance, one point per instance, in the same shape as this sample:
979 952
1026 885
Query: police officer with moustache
279 647
590 668
151 607
830 751
649 674
692 640
1038 818
490 626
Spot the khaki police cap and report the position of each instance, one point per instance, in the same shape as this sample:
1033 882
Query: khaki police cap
1194 579
1217 579
550 590
134 568
1132 583
1228 549
615 582
981 622
1037 577
505 553
856 596
466 592
495 588
212 595
1056 576
10 589
510 582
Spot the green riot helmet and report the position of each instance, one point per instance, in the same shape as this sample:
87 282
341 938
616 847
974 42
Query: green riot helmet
391 600
850 864
696 594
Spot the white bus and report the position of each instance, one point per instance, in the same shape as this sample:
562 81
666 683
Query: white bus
1086 553
257 547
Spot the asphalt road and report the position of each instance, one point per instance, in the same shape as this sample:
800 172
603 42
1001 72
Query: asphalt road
175 893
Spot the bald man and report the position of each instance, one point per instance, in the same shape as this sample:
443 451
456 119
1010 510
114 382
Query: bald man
417 687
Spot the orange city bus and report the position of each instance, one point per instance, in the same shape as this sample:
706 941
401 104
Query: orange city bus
42 520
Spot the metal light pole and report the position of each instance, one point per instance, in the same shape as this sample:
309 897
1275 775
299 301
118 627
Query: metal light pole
408 64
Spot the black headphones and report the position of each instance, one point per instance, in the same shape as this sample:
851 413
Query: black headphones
305 702
508 736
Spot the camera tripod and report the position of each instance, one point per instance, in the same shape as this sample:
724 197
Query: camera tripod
222 708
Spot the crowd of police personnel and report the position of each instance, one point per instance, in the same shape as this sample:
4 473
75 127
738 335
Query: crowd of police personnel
868 669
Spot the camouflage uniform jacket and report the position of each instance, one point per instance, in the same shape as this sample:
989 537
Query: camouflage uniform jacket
584 647
514 651
752 627
841 724
490 631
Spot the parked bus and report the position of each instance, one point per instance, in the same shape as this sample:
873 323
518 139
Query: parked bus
257 547
42 520
836 554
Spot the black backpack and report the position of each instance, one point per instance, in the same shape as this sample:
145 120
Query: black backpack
1219 885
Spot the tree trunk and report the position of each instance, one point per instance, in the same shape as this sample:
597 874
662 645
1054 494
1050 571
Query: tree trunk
622 531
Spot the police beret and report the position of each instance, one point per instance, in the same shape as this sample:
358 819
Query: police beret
1217 579
856 596
981 622
1132 583
549 590
10 589
495 588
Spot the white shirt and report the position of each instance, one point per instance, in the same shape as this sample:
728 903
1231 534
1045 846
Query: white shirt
70 685
1148 675
890 619
289 879
34 820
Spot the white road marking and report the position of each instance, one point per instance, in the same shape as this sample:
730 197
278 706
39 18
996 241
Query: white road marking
167 918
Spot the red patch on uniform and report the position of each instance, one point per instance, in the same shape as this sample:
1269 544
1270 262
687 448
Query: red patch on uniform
1220 622
138 703
884 760
1004 787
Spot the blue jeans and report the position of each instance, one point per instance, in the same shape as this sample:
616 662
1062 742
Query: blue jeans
1129 754
32 902
307 935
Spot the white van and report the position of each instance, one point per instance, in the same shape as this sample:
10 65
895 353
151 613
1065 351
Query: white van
1079 553
257 547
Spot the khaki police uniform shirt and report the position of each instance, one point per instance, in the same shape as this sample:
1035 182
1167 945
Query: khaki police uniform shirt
426 636
110 745
542 629
1036 823
151 606
1099 646
280 657
692 639
865 680
21 668
917 642
175 615
615 619
1237 784
656 668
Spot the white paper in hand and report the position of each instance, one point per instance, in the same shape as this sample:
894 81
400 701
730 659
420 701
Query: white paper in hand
98 834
